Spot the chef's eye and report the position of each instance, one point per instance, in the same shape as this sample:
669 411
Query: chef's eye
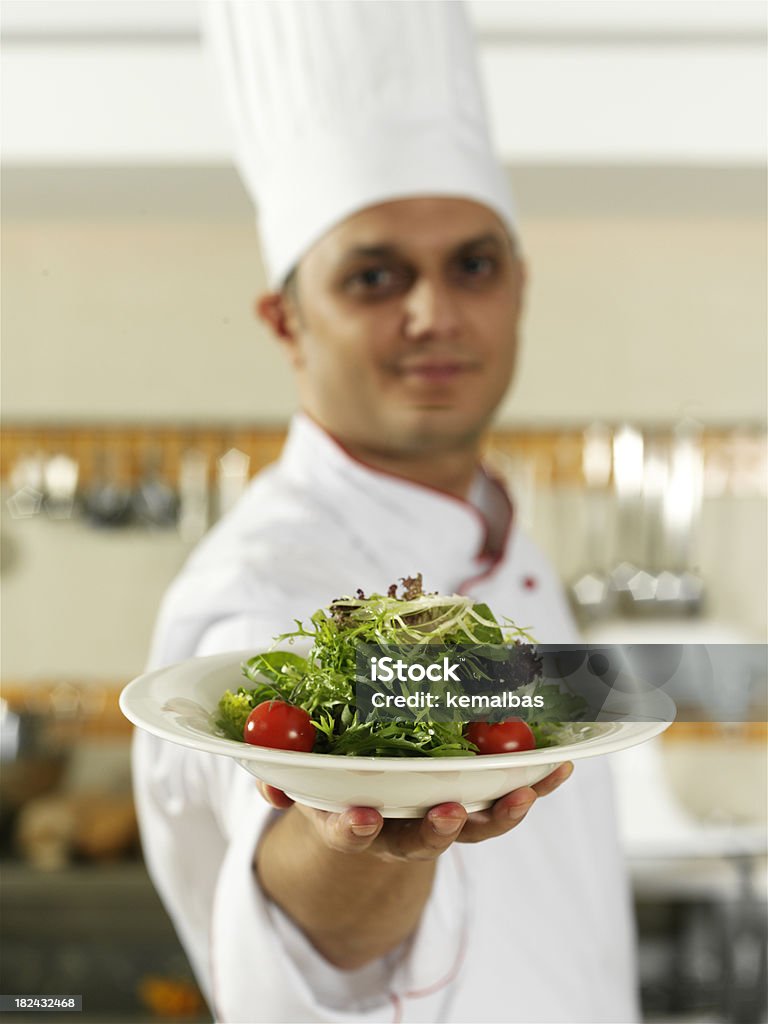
375 282
478 267
375 277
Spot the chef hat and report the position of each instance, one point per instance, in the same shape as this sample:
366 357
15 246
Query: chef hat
343 104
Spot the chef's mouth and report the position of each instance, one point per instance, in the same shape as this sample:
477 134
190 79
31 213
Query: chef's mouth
436 372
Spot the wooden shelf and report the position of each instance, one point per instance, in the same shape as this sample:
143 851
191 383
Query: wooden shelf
555 454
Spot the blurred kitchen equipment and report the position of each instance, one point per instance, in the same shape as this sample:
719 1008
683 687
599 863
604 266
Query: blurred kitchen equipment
170 998
232 479
714 872
53 829
33 760
659 495
679 589
44 831
193 494
628 447
655 482
60 480
28 471
107 501
592 592
641 589
98 930
26 480
153 502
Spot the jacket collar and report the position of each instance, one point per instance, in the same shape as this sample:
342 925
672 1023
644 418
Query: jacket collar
439 535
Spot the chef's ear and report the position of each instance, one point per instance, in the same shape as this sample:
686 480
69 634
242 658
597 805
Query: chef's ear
277 310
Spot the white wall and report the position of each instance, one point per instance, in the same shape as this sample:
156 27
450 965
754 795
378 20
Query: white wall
127 295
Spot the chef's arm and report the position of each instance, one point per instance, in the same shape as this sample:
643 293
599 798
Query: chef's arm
352 908
357 885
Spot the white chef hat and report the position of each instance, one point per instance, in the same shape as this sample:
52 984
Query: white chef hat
342 104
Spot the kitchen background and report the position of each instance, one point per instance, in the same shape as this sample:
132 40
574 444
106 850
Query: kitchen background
139 393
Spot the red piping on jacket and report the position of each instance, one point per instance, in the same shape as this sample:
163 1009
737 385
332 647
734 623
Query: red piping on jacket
447 978
497 557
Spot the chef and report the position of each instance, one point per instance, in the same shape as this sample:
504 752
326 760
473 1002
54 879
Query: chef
396 293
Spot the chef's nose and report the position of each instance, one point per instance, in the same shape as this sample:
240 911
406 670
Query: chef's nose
431 309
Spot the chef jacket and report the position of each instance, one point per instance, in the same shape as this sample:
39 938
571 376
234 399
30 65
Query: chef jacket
532 926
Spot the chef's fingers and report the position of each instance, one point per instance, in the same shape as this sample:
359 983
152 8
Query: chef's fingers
274 796
428 838
351 831
554 779
421 838
357 828
510 810
505 815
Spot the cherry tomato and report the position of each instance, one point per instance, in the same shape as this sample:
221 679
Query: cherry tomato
283 726
501 737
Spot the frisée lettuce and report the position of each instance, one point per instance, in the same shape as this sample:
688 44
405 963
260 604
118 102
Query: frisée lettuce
322 683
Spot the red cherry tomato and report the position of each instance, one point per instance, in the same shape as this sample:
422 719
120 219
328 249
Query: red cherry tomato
501 737
283 726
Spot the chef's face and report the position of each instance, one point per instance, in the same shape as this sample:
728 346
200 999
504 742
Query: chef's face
401 323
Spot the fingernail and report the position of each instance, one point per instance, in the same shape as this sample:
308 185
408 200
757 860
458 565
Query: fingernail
445 826
363 830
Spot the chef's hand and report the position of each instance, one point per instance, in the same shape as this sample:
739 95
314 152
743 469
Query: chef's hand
356 884
362 829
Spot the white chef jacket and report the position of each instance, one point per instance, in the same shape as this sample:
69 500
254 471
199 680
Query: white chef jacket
532 926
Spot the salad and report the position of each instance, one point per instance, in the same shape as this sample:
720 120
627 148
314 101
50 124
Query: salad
308 703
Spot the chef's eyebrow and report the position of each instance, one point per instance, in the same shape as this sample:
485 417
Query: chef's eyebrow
386 250
489 238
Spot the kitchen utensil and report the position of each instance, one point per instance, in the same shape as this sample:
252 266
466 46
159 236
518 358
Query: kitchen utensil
232 479
107 502
26 486
628 448
680 590
60 477
193 494
95 826
33 763
591 591
641 587
153 502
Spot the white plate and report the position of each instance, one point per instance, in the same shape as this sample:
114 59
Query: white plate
178 703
